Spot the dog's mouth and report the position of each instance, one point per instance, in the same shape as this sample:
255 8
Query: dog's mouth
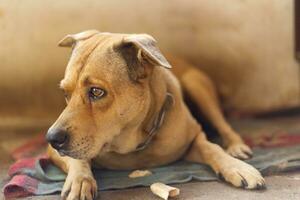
62 152
72 154
82 153
76 154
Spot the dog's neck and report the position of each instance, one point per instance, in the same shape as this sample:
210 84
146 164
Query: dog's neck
138 137
161 100
156 122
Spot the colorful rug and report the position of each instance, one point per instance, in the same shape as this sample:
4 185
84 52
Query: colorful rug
276 150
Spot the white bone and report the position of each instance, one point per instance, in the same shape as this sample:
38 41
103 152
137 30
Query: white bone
164 191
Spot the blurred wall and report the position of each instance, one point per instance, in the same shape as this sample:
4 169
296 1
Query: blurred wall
245 46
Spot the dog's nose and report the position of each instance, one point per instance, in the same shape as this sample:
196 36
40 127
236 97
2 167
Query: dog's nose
58 138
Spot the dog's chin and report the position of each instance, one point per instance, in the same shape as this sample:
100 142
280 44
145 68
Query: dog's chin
85 154
75 154
105 148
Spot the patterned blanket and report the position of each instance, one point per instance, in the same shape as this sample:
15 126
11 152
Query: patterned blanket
275 151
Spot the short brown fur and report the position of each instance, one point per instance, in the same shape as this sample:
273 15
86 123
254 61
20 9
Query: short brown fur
105 133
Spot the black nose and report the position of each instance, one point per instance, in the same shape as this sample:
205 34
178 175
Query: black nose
58 138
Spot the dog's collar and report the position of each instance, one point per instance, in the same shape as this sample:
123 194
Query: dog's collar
157 122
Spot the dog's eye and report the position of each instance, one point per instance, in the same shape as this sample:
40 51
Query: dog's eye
96 93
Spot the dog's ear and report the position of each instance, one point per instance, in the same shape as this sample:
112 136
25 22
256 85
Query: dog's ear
148 49
141 55
70 40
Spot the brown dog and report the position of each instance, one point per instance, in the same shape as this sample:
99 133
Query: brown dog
125 111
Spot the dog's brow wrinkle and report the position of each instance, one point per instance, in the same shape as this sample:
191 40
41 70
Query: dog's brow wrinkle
82 99
86 81
89 81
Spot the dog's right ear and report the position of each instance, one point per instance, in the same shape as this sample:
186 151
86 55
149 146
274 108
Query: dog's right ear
71 39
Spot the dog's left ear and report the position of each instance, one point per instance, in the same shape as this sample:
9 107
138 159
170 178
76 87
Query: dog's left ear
147 49
141 55
71 39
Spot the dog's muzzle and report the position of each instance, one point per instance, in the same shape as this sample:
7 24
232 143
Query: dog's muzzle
58 138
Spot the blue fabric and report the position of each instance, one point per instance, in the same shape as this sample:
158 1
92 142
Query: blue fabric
267 161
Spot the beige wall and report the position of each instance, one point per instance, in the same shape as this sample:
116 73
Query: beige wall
246 47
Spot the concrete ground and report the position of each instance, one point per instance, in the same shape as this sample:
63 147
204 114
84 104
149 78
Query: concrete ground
285 186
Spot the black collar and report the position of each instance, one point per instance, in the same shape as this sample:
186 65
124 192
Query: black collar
157 122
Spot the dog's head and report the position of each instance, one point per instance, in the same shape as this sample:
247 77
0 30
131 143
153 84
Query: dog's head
106 86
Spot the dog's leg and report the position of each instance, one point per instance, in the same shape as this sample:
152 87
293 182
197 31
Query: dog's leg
202 91
232 170
80 183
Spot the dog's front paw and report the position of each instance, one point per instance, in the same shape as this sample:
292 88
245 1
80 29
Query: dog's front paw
79 186
241 174
239 150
